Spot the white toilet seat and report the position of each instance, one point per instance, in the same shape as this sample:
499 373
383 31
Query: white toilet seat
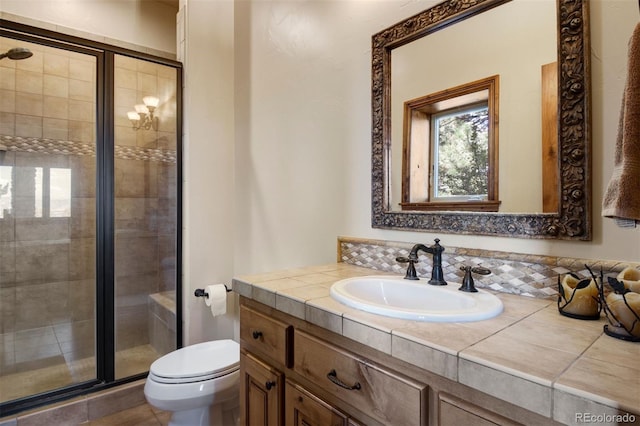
185 380
196 363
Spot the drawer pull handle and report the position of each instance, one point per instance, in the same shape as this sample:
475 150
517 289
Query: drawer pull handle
269 384
333 376
257 334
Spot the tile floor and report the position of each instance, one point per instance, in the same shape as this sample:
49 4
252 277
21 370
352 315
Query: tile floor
142 415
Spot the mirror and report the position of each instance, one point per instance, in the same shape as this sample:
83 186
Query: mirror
572 220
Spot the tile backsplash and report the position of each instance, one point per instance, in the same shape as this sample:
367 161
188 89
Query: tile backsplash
522 274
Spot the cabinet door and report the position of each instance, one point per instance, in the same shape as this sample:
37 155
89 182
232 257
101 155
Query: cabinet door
305 409
261 390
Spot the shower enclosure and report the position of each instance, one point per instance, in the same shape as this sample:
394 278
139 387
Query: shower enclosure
89 215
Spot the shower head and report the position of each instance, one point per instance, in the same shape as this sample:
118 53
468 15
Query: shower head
16 53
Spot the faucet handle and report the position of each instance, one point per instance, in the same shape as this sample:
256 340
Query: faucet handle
411 269
480 270
467 282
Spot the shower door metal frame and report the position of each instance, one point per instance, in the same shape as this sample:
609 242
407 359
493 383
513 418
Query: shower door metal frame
105 216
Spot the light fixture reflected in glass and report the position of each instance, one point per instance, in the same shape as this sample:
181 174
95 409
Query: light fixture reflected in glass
151 102
142 117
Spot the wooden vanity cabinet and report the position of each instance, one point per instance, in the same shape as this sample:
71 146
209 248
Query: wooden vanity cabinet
296 373
292 377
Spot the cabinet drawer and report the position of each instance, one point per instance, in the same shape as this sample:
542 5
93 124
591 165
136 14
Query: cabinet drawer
384 395
266 335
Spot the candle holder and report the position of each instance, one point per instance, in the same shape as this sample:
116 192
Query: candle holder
579 298
630 277
622 309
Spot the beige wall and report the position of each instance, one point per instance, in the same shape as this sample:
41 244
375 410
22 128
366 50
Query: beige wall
209 134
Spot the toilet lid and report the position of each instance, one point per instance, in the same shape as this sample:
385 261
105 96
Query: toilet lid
197 362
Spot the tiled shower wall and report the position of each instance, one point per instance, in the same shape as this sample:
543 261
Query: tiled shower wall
527 275
47 121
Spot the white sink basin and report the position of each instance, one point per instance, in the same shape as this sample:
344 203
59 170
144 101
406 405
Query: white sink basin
415 300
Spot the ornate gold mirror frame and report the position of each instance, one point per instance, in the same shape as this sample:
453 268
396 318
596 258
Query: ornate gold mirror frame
573 220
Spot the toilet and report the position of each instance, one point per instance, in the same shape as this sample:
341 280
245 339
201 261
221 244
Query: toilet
200 384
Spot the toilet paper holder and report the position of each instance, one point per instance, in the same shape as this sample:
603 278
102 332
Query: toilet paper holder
200 292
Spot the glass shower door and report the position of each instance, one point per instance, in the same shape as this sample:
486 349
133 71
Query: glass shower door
47 219
145 187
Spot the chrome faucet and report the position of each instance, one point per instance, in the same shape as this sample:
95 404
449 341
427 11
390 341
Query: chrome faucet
437 276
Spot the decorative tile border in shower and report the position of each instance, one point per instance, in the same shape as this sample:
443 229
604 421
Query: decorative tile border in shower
64 147
523 274
46 146
145 154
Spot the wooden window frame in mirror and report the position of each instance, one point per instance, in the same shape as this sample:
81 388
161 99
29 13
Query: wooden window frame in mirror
417 182
573 219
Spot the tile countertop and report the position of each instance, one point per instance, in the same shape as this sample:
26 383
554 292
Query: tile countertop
529 355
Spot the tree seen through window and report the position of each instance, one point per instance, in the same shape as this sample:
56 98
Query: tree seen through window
462 158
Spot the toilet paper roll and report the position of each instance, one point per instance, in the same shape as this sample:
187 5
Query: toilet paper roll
217 299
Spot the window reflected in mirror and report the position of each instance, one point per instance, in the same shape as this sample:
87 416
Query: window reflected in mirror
459 152
450 149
